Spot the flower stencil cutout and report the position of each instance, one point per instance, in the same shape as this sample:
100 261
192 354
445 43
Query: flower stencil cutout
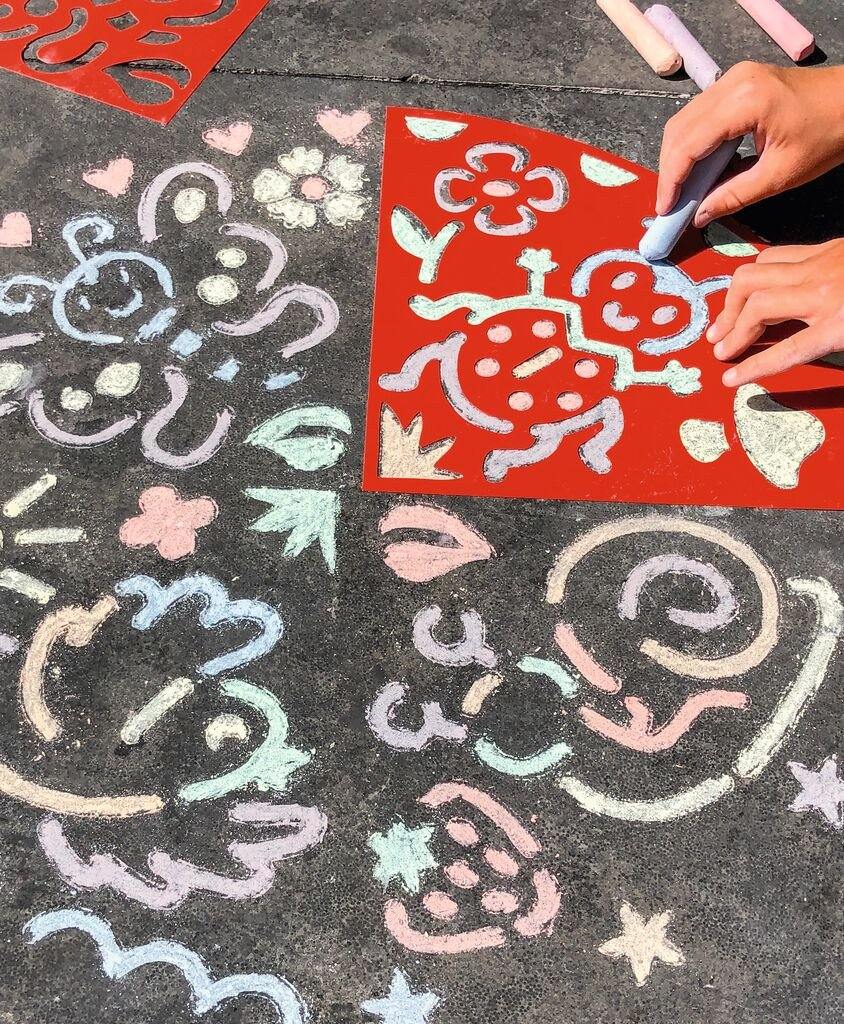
168 522
496 217
307 182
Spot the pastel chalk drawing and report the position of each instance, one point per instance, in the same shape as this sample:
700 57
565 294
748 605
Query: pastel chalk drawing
75 399
380 717
189 205
206 993
821 790
310 450
178 386
421 561
434 129
346 129
403 854
470 247
306 516
15 230
115 178
401 1005
471 649
642 942
233 139
216 609
160 704
167 522
777 440
306 182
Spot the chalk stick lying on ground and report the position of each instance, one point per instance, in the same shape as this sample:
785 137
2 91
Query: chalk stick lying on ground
700 67
785 30
642 35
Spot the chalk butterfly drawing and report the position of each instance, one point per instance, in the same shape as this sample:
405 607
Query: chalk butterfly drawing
522 347
704 676
141 57
249 760
113 296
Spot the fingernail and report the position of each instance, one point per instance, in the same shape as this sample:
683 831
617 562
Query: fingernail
730 378
712 333
719 350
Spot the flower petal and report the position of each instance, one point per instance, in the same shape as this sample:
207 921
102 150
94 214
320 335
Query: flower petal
270 185
176 543
341 208
293 212
345 173
301 161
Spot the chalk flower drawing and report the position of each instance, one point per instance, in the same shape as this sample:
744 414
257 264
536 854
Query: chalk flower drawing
307 182
168 522
496 217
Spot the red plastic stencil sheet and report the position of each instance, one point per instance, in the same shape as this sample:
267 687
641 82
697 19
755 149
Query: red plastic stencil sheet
522 348
84 46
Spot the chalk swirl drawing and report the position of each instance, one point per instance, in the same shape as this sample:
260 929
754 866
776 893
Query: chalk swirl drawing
216 609
206 993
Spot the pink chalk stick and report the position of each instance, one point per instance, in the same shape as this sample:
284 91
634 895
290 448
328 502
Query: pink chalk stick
785 30
700 67
642 35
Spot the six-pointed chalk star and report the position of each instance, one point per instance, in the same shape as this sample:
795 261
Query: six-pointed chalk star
403 853
821 791
401 1005
642 942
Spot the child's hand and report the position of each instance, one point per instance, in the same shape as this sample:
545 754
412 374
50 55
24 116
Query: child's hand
789 282
796 116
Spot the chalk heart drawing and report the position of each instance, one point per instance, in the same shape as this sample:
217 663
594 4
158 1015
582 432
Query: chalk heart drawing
344 128
15 231
114 178
482 852
250 759
232 140
714 671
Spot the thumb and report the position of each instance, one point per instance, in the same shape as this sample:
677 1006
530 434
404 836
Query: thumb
749 185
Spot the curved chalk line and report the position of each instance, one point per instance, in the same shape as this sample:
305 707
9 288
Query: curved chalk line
472 648
379 717
177 384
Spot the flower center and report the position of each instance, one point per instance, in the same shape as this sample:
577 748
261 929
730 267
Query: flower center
499 187
313 187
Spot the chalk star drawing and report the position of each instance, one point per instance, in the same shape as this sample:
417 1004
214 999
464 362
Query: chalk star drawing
642 942
402 1005
821 791
403 853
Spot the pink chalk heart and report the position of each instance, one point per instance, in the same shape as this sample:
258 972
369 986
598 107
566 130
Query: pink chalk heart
113 179
15 230
232 140
343 128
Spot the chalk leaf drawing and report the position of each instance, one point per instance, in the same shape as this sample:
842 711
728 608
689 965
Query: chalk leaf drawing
307 182
206 993
726 242
401 1005
530 913
821 790
402 853
402 456
418 561
345 129
233 139
15 231
168 522
115 178
306 516
506 369
309 451
642 942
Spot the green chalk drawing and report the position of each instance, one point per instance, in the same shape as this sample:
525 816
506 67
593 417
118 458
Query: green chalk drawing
307 516
433 129
725 242
308 452
270 766
412 235
402 853
604 173
565 682
489 753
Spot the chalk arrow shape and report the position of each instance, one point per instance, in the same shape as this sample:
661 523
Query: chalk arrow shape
307 516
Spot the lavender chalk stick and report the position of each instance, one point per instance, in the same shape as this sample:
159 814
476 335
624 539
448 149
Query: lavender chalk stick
700 67
665 232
